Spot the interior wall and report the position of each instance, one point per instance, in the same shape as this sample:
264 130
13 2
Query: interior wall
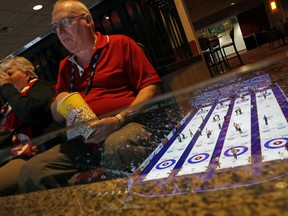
211 12
284 8
249 23
277 16
239 41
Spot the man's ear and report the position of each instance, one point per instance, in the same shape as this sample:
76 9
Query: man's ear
88 19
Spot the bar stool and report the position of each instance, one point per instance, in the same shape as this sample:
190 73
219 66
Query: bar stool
204 44
215 49
213 55
232 43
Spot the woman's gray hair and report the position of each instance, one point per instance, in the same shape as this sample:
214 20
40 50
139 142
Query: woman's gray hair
20 63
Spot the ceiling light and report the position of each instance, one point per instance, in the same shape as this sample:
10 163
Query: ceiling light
37 7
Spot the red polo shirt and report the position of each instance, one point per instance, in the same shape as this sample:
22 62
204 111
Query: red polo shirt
122 70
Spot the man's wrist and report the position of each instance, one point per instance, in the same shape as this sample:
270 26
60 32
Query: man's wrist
121 119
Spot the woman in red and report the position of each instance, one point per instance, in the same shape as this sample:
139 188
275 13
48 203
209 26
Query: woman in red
27 108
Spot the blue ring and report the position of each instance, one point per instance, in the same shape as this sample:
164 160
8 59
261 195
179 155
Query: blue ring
172 160
206 155
267 144
228 154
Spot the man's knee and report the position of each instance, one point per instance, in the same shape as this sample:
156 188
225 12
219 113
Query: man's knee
131 134
129 145
36 169
30 171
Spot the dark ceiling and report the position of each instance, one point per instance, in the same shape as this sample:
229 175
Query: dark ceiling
20 25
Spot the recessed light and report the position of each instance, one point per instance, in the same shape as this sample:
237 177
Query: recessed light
233 3
37 7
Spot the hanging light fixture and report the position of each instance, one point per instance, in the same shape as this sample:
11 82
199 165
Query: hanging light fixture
273 5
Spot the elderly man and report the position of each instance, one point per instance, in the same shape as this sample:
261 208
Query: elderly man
113 75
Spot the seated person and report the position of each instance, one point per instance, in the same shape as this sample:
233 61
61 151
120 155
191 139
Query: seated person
111 73
27 110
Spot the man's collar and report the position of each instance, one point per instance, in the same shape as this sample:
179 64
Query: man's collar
102 41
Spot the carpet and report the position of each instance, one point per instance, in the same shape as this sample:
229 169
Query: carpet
259 54
265 60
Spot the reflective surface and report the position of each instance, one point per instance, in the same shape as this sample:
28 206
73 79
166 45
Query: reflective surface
235 135
225 172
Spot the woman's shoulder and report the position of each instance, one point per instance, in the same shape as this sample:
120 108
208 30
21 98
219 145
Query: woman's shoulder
42 82
43 86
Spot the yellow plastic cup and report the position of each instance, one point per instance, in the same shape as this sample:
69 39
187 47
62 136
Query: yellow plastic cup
76 112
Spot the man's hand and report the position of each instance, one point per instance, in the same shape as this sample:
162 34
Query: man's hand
102 129
57 116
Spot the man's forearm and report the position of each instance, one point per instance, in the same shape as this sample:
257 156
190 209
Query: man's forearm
144 96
